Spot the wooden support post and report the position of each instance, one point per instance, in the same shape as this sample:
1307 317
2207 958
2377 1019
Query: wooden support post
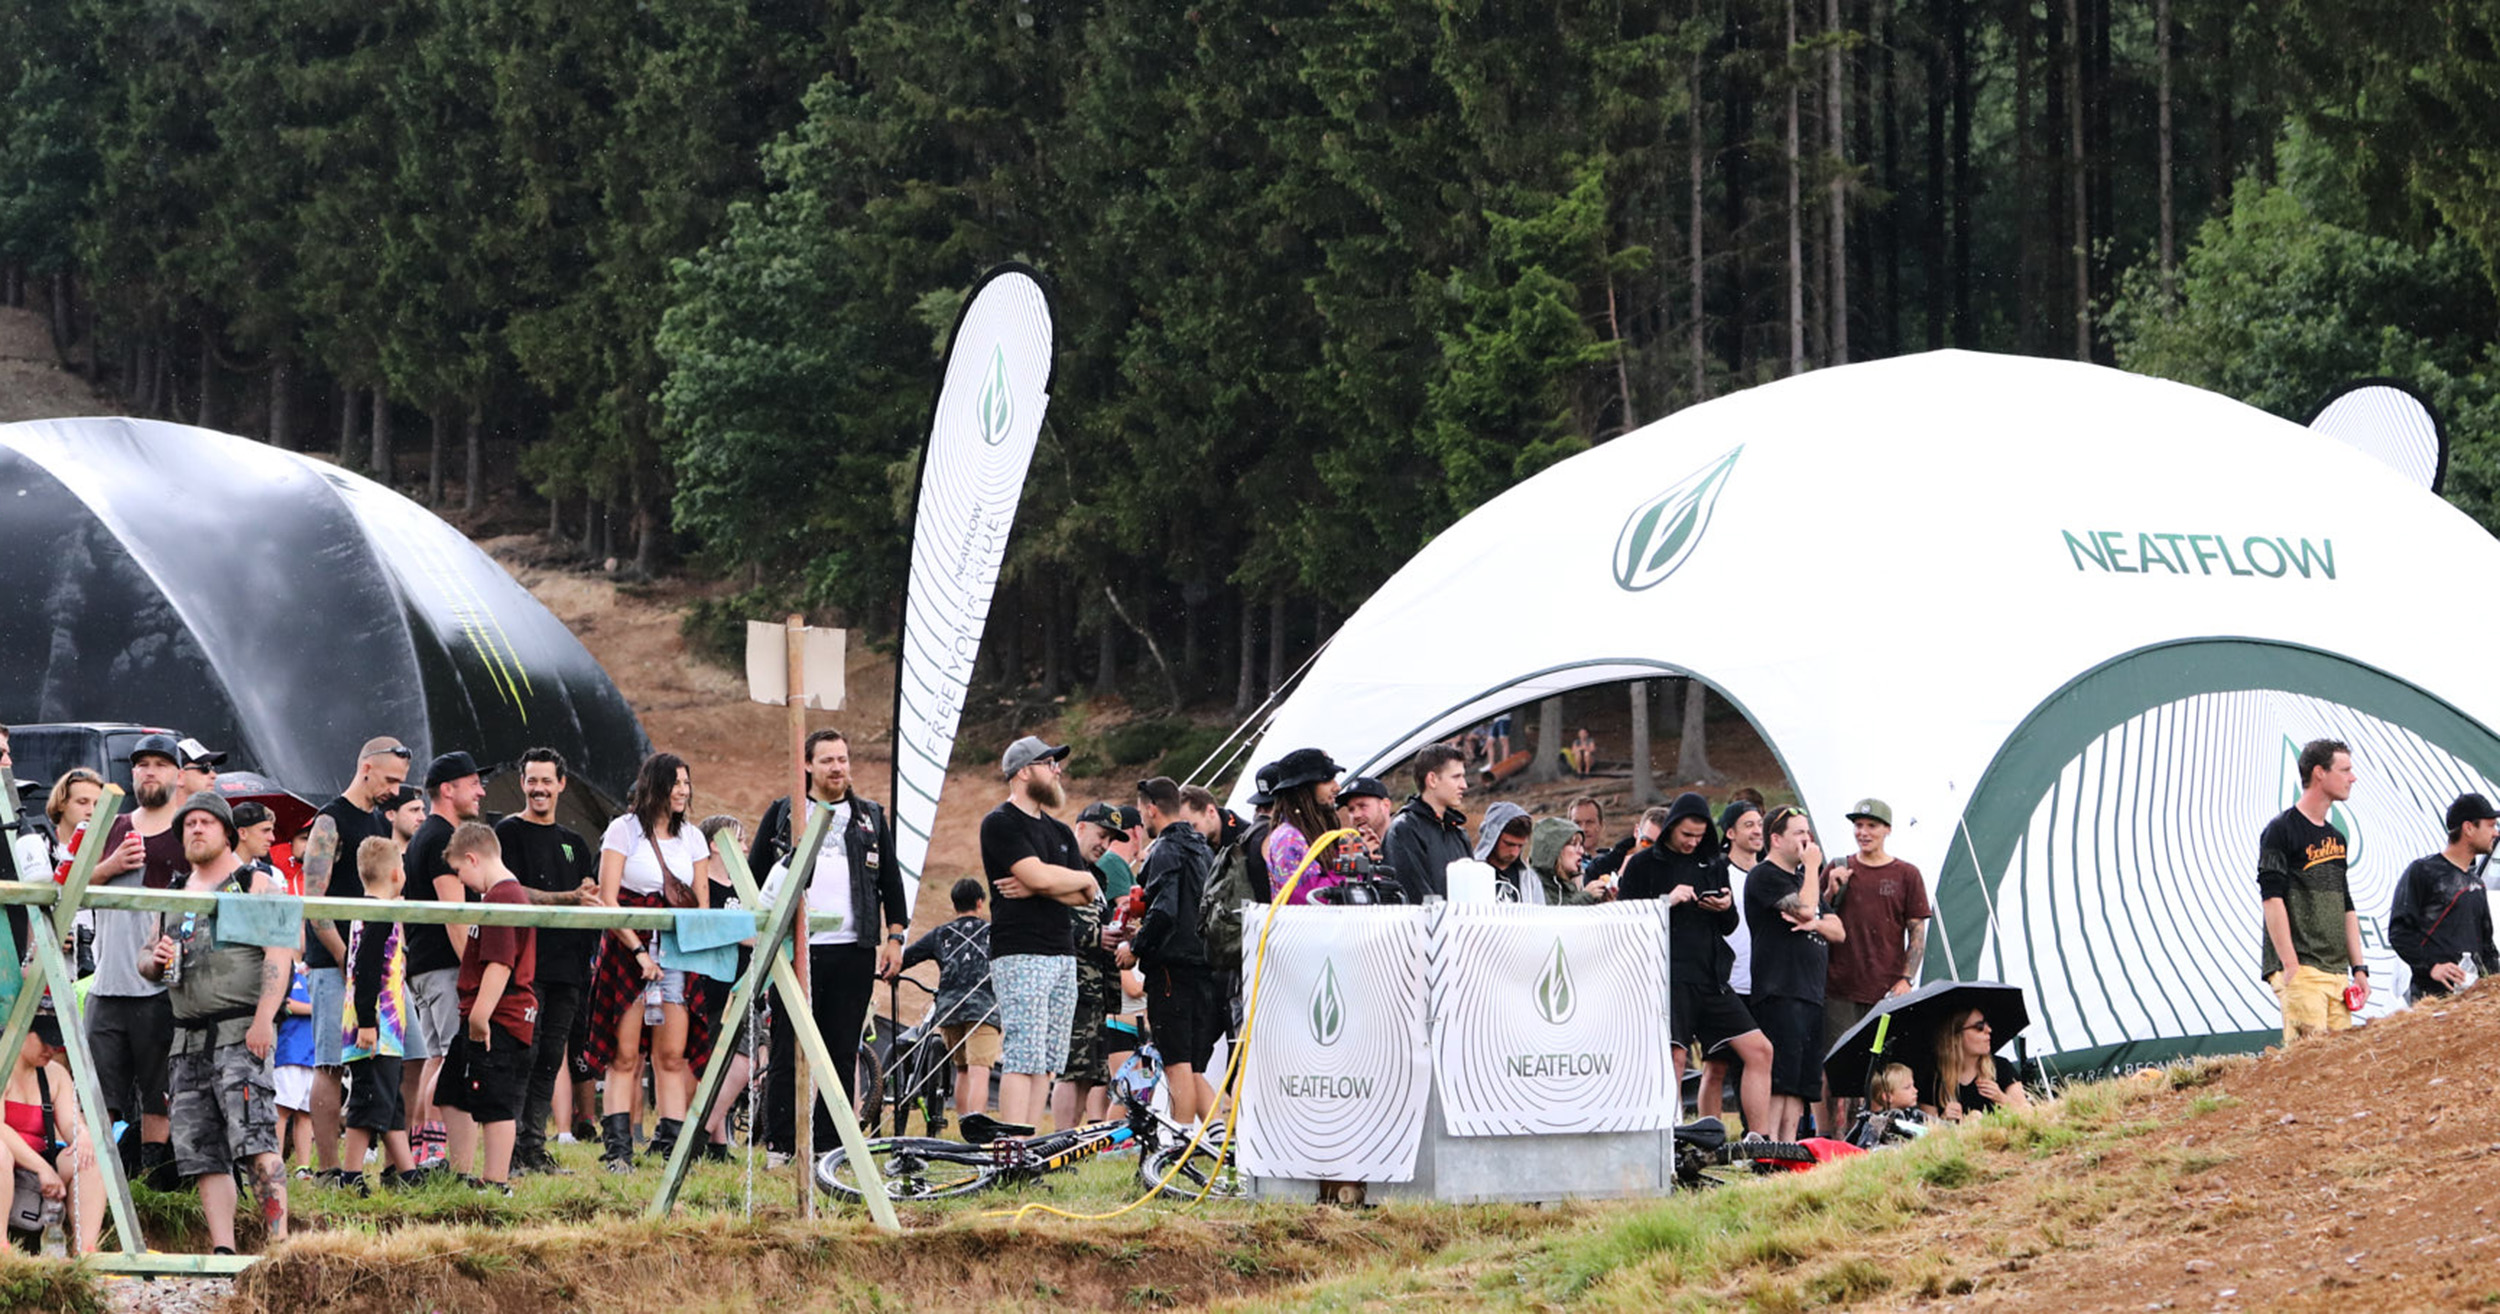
820 1058
44 930
82 1077
803 1135
769 936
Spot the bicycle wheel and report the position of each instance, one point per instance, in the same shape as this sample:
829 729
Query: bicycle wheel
1206 1174
911 1167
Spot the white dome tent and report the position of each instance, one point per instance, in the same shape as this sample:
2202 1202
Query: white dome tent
2070 623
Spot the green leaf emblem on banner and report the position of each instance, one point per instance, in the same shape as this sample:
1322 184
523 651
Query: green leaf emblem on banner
996 402
1327 1006
1555 995
1662 532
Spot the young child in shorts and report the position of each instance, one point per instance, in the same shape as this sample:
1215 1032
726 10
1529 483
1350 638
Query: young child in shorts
965 1004
377 1000
292 1074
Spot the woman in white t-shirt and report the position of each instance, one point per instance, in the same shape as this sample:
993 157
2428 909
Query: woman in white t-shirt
645 854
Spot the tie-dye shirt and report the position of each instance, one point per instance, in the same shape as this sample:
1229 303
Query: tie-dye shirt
391 1002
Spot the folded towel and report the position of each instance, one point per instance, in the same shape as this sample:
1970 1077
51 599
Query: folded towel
272 921
706 941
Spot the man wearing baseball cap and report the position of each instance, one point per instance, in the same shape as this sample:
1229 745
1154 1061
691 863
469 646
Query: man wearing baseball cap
1036 874
130 1026
199 766
1363 802
1883 905
381 770
455 791
2441 914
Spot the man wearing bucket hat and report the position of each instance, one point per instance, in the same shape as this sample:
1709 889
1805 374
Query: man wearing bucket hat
1036 874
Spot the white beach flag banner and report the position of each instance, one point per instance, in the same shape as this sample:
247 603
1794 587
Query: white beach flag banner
981 436
1336 1079
1552 1020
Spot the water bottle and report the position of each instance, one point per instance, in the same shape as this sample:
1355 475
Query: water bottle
651 1014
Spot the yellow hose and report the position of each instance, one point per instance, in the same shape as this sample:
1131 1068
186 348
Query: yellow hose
1232 1067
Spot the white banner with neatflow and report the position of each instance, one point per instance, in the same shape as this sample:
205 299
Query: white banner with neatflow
1336 1078
1551 1021
988 415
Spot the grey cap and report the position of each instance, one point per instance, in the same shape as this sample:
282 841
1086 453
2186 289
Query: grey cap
1027 751
1871 809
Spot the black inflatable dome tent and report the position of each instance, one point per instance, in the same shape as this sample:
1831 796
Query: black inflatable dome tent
280 608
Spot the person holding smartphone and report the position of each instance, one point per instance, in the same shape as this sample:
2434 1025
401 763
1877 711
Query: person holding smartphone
1704 1016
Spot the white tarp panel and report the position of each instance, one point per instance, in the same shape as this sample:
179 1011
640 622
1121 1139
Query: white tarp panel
1552 1020
1336 1079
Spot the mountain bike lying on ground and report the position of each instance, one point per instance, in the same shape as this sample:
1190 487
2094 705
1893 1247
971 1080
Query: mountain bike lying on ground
995 1153
1702 1146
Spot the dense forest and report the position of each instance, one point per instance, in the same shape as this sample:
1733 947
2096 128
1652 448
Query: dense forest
1327 275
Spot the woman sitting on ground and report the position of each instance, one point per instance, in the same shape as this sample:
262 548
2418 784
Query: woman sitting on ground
1971 1079
44 1135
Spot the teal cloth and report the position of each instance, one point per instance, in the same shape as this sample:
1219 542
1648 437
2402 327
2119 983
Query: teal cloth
706 940
272 921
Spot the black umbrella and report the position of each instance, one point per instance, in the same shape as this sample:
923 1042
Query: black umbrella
1902 1029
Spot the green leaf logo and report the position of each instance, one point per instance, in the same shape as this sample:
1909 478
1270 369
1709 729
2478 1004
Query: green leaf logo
1555 996
997 401
1663 531
1327 1006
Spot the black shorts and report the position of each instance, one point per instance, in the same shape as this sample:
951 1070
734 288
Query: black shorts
373 1102
488 1082
1186 1010
1795 1030
1707 1014
133 1040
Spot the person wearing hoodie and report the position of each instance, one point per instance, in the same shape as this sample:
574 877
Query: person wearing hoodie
1184 997
1430 832
1556 852
1686 870
1740 824
1502 844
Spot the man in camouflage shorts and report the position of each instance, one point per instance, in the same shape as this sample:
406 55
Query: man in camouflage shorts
226 999
1100 837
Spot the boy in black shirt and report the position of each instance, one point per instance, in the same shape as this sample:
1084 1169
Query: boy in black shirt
1791 959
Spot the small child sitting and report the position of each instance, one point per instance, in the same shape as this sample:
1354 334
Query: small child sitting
1892 1114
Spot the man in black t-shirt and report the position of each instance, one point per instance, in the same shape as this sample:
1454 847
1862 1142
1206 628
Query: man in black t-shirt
550 859
1036 874
2312 943
1791 960
381 768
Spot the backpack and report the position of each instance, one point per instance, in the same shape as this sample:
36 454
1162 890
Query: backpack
1239 879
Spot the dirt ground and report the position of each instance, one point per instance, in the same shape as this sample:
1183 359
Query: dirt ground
32 385
2350 1171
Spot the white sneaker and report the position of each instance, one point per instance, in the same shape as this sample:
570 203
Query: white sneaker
566 1138
775 1159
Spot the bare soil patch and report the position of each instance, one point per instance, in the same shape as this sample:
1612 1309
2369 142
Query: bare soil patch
2351 1170
33 386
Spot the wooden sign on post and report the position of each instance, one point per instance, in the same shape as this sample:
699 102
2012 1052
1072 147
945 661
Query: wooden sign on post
798 666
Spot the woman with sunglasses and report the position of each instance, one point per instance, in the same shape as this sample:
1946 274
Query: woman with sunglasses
1971 1079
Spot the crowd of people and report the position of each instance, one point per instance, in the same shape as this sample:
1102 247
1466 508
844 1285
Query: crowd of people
237 1054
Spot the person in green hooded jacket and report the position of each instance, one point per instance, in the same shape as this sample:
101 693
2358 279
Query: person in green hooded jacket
1556 848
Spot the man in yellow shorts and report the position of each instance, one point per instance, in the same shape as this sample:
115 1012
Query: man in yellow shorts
2310 923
